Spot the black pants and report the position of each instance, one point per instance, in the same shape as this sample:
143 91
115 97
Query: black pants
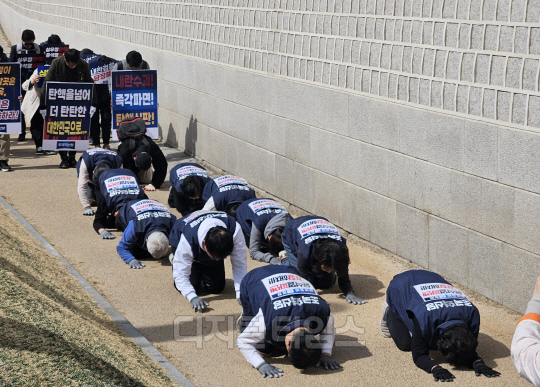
65 155
183 204
399 331
103 110
36 129
212 277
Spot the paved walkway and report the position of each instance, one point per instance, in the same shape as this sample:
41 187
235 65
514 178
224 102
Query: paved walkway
46 196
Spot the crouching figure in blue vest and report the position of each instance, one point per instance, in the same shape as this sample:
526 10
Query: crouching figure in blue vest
263 222
115 187
146 234
226 193
86 165
316 248
187 184
201 241
424 312
282 313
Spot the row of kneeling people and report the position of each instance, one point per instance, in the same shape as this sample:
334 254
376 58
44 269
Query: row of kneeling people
281 310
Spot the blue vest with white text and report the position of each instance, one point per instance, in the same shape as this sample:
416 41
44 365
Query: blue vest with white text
95 156
119 186
183 170
226 190
287 301
147 216
257 213
301 232
434 302
188 226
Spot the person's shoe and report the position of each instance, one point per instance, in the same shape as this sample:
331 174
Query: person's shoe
106 146
72 163
40 151
49 152
64 164
90 142
383 326
4 166
22 137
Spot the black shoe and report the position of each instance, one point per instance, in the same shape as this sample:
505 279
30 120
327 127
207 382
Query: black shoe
72 163
40 151
4 166
22 137
64 164
90 142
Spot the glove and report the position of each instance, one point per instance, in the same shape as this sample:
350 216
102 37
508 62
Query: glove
43 112
269 370
106 235
328 363
352 299
149 187
88 211
481 369
135 264
274 261
198 304
92 111
442 374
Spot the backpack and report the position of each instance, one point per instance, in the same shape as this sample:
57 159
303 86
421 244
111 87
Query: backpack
131 128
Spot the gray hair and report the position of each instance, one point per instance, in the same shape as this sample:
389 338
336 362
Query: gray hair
157 244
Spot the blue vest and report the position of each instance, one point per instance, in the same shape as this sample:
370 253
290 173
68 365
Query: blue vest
183 170
434 302
301 232
257 213
227 189
95 156
147 216
188 226
287 301
119 186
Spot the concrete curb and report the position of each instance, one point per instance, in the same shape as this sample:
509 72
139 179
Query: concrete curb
124 323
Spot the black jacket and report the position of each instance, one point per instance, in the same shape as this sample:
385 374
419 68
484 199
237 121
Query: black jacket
128 150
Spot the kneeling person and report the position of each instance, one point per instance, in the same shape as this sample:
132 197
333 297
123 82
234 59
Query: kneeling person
187 184
316 248
282 313
146 235
86 165
201 242
116 187
424 312
226 193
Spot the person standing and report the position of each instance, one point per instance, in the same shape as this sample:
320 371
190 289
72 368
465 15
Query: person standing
68 68
4 138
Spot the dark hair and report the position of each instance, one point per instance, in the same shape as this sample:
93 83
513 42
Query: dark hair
143 161
134 59
458 345
330 253
219 242
192 186
72 56
98 170
86 51
305 350
231 209
28 35
54 39
274 241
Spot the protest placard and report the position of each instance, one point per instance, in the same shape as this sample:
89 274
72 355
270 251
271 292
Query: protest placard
42 72
99 70
10 90
134 94
67 122
30 61
53 51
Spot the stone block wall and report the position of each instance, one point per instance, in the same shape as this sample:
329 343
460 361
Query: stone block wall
413 124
